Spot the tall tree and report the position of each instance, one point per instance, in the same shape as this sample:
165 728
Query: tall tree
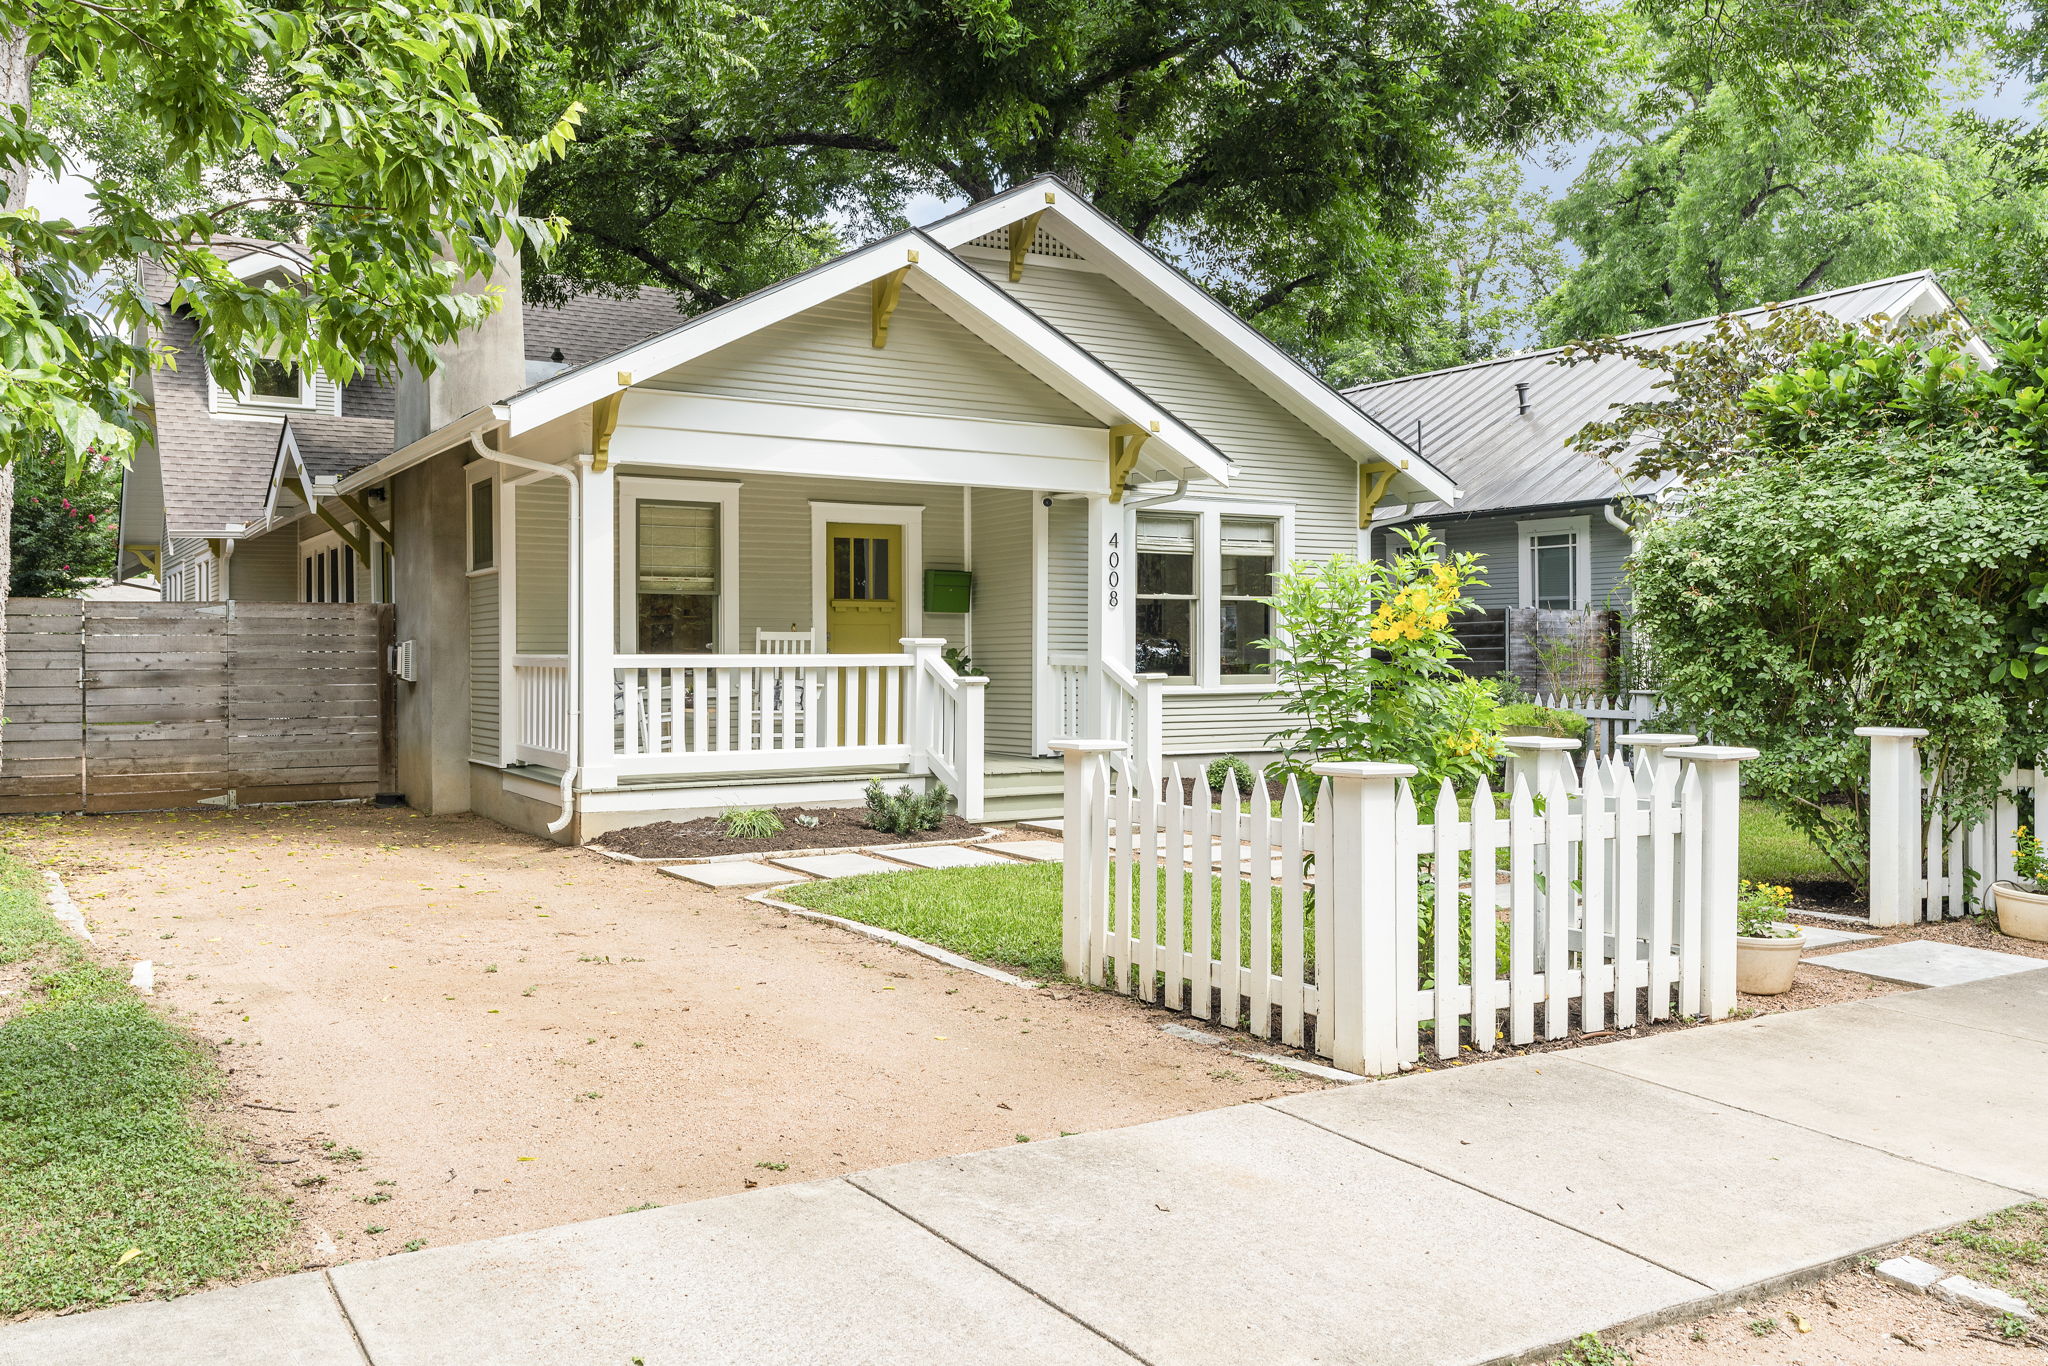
362 131
1277 149
1769 149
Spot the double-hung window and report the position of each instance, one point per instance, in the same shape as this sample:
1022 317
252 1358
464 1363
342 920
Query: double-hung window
1201 576
1167 595
1556 563
676 577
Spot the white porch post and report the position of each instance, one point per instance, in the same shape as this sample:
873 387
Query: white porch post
1897 832
918 701
599 614
1111 575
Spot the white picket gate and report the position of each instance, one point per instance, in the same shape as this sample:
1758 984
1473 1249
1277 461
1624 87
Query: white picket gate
1608 895
1928 863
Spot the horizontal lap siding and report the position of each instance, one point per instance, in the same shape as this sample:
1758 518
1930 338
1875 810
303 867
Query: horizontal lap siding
1219 722
826 356
1498 540
484 702
1002 615
266 569
1067 591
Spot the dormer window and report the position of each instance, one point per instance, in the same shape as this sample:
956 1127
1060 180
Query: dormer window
280 384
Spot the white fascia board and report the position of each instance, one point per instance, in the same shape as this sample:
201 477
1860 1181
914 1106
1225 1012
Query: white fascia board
287 455
1140 271
477 421
959 291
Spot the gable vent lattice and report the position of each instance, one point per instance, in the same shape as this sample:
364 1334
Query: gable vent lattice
1045 244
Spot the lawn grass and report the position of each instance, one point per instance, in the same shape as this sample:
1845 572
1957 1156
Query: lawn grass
111 1187
1008 916
2008 1249
1773 851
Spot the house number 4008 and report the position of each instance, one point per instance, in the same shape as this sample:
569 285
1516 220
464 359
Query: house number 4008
1115 565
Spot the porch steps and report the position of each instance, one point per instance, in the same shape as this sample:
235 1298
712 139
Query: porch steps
1021 789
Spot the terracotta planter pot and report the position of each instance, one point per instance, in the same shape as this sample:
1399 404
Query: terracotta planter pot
2021 913
1763 967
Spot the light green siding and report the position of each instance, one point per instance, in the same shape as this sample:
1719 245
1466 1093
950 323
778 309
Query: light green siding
483 667
541 567
266 569
1067 593
1002 615
826 356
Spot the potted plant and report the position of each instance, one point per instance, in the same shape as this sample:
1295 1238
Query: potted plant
2022 906
1767 948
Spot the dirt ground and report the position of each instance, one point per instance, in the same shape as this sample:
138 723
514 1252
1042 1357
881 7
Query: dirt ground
1853 1317
438 1030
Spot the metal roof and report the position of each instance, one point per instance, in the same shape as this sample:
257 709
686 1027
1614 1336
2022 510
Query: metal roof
1503 458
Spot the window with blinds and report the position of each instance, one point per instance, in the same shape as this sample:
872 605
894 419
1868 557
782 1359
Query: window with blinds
1246 548
676 583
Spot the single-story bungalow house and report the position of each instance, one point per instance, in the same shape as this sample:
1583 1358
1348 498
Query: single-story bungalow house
911 514
1547 517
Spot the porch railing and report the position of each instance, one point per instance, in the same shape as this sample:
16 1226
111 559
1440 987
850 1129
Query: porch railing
1133 712
540 700
709 714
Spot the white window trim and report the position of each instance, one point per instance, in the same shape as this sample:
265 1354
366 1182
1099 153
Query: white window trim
1209 514
1582 568
910 517
478 472
320 545
224 402
725 494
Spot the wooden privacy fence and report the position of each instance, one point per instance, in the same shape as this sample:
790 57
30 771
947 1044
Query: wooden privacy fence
1363 931
132 706
1926 862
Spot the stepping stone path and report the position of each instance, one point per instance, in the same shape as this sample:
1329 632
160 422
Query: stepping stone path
1930 963
1819 938
838 865
946 856
1038 851
738 873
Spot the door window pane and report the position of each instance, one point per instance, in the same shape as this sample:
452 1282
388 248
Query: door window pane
860 569
676 577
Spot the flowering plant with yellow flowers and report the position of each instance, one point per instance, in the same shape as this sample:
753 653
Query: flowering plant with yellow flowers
2028 859
1365 663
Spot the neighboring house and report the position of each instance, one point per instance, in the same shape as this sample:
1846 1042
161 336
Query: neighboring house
1545 516
646 568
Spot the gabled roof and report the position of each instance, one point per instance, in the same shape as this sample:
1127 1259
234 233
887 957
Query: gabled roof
1505 459
935 275
1143 273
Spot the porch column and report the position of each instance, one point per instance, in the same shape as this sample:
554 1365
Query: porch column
598 582
1112 573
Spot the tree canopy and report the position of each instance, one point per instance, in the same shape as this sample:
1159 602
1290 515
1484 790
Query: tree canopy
1278 150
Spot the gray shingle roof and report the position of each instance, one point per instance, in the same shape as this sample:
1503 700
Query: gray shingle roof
592 326
1504 459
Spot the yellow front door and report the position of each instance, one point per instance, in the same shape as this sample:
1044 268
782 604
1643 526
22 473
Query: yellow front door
864 573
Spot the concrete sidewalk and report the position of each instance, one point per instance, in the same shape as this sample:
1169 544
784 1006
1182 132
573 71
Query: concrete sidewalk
1487 1213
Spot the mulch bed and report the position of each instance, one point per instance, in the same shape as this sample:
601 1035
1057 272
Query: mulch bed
1831 895
838 827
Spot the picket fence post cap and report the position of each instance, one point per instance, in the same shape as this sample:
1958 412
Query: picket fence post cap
1363 769
1712 754
1657 737
1892 732
1557 742
1070 745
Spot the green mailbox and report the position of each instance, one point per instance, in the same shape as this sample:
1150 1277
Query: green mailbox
948 590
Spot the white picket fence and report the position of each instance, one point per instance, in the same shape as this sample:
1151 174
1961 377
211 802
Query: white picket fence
1603 894
1927 863
1611 717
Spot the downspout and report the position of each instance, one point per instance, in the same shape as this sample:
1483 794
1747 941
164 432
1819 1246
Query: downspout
476 443
1619 523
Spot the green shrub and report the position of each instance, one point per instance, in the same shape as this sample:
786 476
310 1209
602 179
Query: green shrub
906 813
750 823
1230 769
1525 716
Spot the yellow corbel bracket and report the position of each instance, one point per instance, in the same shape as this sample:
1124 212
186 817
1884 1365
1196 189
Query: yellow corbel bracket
1126 439
604 420
367 518
348 538
1372 486
883 296
148 555
214 543
1023 233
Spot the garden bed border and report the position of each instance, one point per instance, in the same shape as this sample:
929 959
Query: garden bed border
988 833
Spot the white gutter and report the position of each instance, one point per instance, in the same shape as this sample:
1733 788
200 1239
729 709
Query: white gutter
447 435
484 452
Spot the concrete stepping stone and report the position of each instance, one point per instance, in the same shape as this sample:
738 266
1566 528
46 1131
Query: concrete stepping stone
946 856
838 865
738 873
1054 826
1930 963
1819 938
1038 851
